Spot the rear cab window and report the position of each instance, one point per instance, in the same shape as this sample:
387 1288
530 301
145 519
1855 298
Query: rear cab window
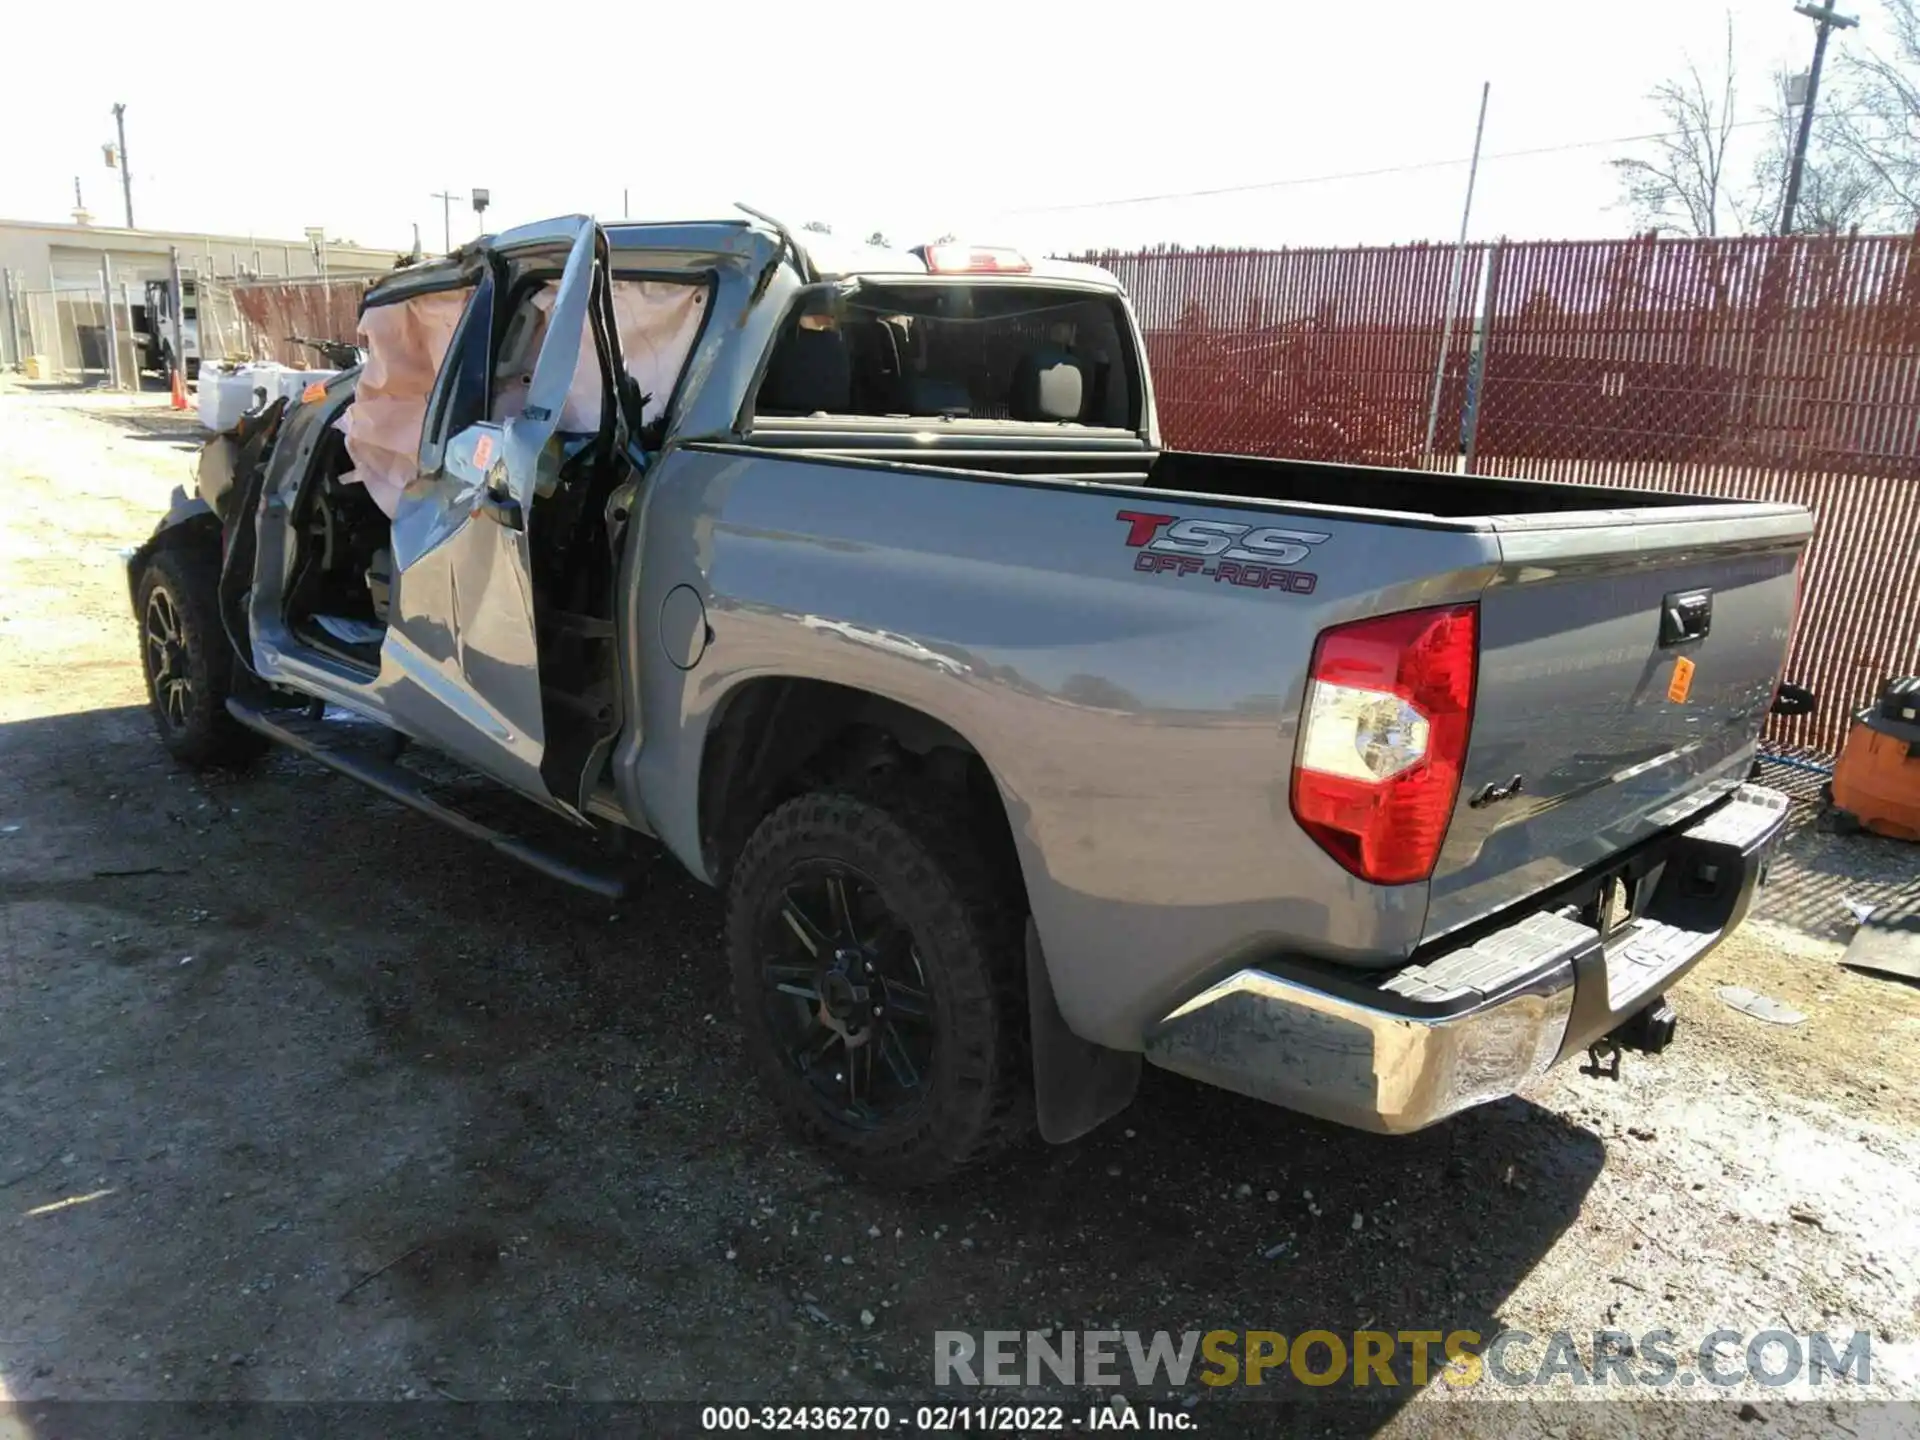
1023 354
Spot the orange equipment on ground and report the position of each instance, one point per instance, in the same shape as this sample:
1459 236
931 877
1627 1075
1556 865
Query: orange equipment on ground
179 388
1877 779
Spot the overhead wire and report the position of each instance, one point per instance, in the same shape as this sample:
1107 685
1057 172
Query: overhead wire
1363 174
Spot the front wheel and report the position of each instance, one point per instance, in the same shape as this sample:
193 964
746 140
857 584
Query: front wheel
877 971
189 663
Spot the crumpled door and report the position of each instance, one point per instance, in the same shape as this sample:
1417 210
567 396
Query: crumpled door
460 664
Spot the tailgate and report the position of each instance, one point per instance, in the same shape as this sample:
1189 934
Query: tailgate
1627 663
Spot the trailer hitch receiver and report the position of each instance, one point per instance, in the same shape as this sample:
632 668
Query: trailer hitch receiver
1650 1030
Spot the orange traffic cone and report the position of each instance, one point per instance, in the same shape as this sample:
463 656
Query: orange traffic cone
179 389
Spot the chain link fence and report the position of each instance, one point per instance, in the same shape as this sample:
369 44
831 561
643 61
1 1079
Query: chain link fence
78 333
67 328
62 326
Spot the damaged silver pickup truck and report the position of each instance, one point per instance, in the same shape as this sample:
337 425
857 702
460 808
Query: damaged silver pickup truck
1021 747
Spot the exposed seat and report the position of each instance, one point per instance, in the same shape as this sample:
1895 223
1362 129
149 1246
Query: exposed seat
927 395
810 372
1049 384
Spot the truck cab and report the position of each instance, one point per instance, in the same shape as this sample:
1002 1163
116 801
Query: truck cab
160 327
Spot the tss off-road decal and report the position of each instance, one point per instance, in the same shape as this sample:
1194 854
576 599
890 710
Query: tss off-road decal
1257 557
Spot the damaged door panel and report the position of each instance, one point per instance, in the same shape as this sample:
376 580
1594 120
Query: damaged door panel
460 661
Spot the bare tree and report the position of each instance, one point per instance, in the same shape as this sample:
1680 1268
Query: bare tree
1877 115
1685 187
1838 190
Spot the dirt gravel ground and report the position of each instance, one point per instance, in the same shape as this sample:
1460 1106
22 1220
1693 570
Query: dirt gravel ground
302 1098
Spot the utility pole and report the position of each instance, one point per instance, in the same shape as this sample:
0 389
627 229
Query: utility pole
1826 20
126 174
10 338
176 300
111 329
1453 278
446 199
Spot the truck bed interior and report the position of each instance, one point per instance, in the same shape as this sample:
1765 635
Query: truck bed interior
1416 492
1119 458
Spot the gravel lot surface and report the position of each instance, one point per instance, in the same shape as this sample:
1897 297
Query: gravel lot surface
303 1098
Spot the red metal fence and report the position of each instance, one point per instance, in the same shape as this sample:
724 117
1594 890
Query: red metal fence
1776 369
312 308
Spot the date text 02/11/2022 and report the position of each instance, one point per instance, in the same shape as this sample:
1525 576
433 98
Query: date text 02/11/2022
941 1419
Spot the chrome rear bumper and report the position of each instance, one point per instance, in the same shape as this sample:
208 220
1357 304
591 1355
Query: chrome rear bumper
1396 1052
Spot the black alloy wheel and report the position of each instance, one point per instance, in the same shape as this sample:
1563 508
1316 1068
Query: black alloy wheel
878 973
168 661
845 993
189 662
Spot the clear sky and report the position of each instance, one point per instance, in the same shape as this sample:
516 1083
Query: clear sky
264 118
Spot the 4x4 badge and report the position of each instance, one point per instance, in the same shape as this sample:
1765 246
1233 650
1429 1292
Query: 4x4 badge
1490 793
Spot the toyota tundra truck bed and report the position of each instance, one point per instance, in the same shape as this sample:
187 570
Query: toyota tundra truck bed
1370 792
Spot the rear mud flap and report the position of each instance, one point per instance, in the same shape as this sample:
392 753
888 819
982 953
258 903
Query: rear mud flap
1077 1084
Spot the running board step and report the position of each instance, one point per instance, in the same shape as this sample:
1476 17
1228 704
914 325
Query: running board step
398 784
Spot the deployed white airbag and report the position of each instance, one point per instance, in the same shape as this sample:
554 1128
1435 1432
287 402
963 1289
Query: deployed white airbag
405 342
657 322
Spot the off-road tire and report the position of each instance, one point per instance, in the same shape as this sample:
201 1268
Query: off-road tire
931 872
198 732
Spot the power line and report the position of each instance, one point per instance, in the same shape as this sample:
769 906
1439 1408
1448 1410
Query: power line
1365 174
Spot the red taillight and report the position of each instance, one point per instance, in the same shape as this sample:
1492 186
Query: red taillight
955 259
1383 739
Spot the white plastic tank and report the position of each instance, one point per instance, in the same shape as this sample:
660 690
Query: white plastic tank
229 391
293 383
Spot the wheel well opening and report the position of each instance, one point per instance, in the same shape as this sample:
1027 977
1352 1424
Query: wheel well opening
200 532
778 738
